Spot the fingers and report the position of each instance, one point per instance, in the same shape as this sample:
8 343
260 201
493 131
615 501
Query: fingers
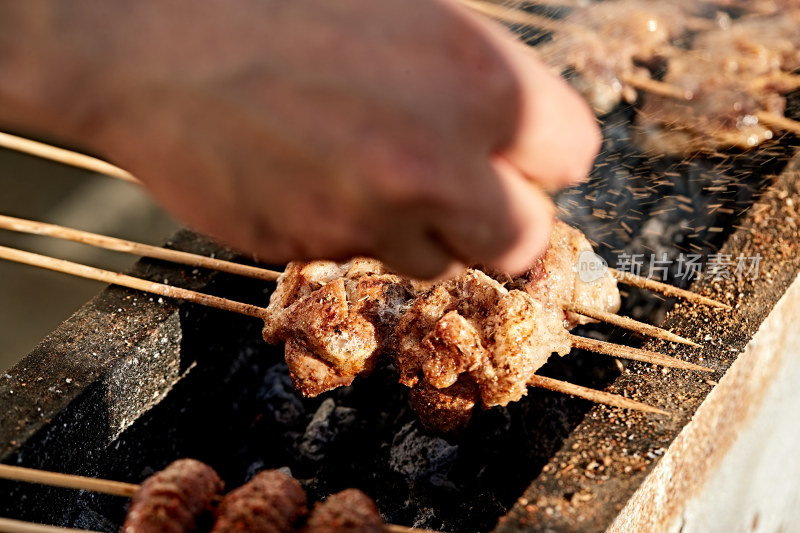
418 253
531 212
509 240
557 137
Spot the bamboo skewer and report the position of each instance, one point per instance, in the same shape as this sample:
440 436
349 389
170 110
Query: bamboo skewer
8 525
607 398
121 245
68 481
658 87
779 122
394 528
635 354
66 157
625 322
123 280
103 486
130 247
663 288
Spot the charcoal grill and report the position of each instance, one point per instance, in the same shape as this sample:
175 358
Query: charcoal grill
131 382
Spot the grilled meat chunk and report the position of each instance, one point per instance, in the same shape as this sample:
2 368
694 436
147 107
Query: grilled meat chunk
271 502
172 500
349 511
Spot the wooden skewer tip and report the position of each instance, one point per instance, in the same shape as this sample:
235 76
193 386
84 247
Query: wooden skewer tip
635 354
66 157
593 395
635 280
627 323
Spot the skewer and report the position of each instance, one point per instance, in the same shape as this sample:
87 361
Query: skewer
185 258
394 528
658 87
123 280
65 157
103 486
635 354
68 481
625 322
130 247
8 525
779 122
663 288
593 395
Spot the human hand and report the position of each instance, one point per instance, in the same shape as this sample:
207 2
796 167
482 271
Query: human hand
409 130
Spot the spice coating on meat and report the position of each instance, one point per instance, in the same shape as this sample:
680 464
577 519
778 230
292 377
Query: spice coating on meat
555 277
453 347
472 324
445 411
271 502
170 501
412 328
520 335
331 332
311 376
335 318
468 338
473 294
349 511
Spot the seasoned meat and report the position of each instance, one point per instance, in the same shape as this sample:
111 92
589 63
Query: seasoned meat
349 511
336 319
556 278
454 342
473 295
271 502
311 376
445 411
730 76
323 319
172 500
474 325
298 280
520 335
453 347
412 328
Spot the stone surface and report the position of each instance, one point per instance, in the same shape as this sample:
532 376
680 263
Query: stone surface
93 376
735 466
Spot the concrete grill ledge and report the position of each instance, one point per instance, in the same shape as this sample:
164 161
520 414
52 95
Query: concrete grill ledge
98 372
726 460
